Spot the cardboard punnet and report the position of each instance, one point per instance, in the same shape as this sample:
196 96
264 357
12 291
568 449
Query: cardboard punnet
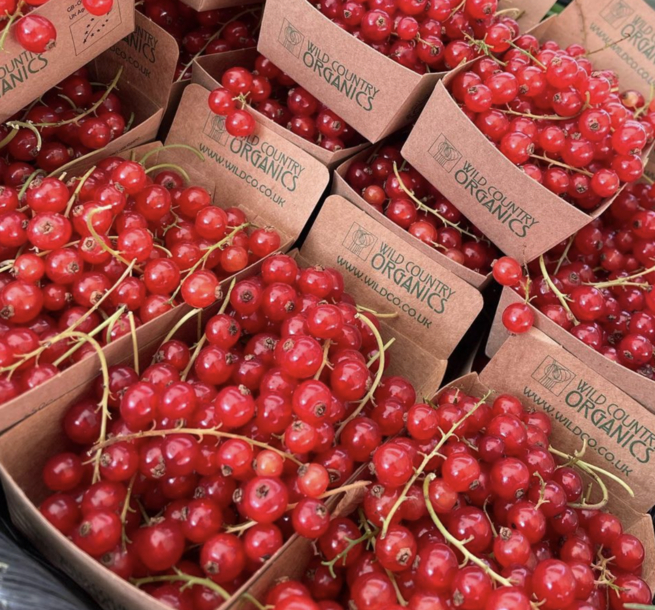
632 383
370 91
207 71
288 221
208 5
24 76
339 221
583 405
522 217
342 188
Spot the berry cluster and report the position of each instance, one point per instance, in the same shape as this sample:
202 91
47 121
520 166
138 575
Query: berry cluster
71 120
563 123
394 188
473 511
36 33
598 285
104 254
424 36
274 94
206 32
233 444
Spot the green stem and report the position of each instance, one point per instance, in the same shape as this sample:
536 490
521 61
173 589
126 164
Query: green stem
556 291
195 151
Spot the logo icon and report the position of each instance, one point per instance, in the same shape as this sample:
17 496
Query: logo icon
616 11
359 241
215 129
444 153
291 38
88 29
553 376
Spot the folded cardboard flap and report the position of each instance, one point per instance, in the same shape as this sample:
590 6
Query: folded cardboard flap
632 383
208 70
435 308
263 171
209 5
342 188
80 37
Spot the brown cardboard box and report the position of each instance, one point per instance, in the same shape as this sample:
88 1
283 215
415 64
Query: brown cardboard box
341 233
637 386
207 71
208 5
288 220
24 76
523 218
371 92
341 187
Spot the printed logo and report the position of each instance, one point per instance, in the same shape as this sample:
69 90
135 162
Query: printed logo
88 29
616 12
553 376
444 153
359 241
291 38
215 129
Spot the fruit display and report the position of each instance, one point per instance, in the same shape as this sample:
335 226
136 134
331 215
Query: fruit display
394 188
104 254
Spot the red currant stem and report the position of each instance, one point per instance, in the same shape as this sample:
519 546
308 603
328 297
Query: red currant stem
69 100
108 323
399 596
378 375
15 15
200 432
10 136
135 342
189 581
376 356
155 151
564 165
242 99
424 208
101 242
193 358
605 576
177 168
91 109
593 468
639 111
393 314
326 360
180 323
545 117
351 545
213 37
77 190
564 254
126 509
527 54
516 12
556 291
459 7
491 523
27 183
484 48
166 250
624 281
608 45
454 541
426 460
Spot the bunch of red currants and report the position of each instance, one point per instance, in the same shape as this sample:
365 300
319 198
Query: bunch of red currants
394 188
231 445
103 254
562 122
276 96
424 36
473 510
204 32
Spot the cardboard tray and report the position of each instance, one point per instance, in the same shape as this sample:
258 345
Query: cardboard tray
341 187
208 5
522 217
373 93
24 76
288 217
207 71
632 383
339 234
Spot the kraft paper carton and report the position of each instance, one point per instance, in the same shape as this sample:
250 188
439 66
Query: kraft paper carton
633 384
24 76
208 70
208 5
522 217
341 187
427 299
373 93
